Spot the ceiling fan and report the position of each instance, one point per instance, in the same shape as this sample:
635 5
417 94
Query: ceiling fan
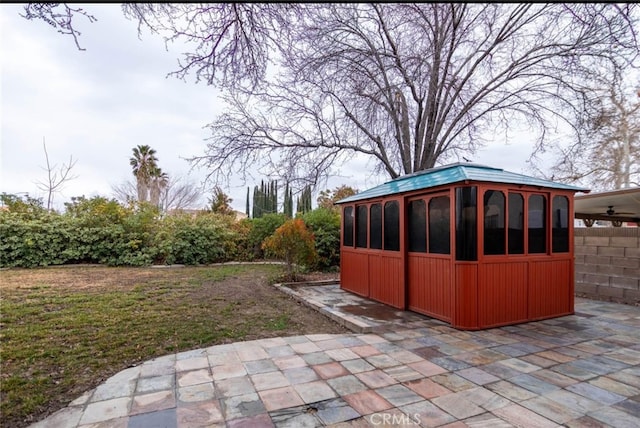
611 212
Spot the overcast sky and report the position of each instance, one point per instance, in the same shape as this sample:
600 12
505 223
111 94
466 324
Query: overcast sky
97 104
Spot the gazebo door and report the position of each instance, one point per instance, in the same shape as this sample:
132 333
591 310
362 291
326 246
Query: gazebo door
429 272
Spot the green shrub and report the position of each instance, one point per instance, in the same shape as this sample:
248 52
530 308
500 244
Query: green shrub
293 243
325 225
262 228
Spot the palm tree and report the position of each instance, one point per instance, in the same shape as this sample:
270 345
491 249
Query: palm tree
143 162
158 181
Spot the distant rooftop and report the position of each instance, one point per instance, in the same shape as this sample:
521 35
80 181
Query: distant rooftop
454 173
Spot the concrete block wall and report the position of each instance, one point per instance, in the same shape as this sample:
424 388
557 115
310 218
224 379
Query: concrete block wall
608 263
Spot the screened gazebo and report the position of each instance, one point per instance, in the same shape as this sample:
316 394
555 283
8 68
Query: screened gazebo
471 245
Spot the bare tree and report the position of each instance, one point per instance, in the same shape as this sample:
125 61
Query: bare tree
56 177
406 85
409 85
607 154
59 16
179 193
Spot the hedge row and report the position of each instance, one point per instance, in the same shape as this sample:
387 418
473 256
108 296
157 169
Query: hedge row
102 231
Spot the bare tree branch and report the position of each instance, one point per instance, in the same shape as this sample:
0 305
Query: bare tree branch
56 178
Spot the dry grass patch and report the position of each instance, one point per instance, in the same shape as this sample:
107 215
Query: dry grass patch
65 330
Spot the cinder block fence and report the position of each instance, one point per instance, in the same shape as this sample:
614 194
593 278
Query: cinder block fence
608 263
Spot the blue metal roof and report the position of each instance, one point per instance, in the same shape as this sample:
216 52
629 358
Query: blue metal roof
454 173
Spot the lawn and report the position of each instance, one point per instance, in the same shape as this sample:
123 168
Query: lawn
63 331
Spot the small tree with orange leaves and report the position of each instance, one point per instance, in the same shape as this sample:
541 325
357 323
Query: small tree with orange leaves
293 243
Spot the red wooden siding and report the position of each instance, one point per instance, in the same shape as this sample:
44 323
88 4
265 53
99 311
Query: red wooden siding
430 286
354 272
502 293
466 296
550 288
386 279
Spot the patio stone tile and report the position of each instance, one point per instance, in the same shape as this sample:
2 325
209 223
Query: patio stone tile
551 409
164 418
365 350
450 363
234 386
382 361
533 384
67 417
226 371
157 383
371 339
519 365
522 417
305 348
330 370
569 369
614 386
357 366
157 369
345 385
241 406
251 353
616 418
192 364
630 406
295 417
328 344
406 357
312 392
485 398
342 354
585 422
260 366
263 381
477 376
111 423
316 358
457 405
539 361
626 355
554 378
153 402
555 356
485 420
599 365
510 391
108 391
223 358
484 356
300 375
574 401
427 368
194 377
428 352
280 398
427 388
375 379
367 402
626 378
453 382
263 420
289 362
597 394
280 351
196 393
335 411
403 373
428 414
105 410
350 341
194 353
398 395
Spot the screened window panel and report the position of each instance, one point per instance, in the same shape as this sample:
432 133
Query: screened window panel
392 226
560 224
516 223
361 226
537 224
417 226
439 225
375 226
348 227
